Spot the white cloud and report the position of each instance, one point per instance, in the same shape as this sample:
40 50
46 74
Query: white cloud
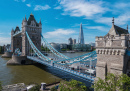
84 8
58 7
60 35
5 40
101 28
40 7
1 33
120 20
23 0
59 32
122 5
29 5
20 0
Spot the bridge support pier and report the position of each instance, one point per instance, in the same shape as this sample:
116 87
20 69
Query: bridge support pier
7 55
19 60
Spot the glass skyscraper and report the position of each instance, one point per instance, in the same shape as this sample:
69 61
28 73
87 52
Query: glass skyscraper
81 35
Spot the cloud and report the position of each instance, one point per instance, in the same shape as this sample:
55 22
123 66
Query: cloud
19 0
84 8
29 5
23 0
40 7
58 7
122 5
5 40
120 20
101 28
59 32
60 35
1 33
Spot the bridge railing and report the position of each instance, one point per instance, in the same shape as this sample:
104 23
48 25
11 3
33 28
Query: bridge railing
79 57
71 61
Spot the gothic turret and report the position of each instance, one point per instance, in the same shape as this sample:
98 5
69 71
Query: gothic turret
40 24
116 30
24 23
12 31
127 27
25 19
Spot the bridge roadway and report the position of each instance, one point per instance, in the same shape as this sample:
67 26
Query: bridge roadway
66 70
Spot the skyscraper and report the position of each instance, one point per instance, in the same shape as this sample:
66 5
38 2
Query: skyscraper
81 35
74 41
70 41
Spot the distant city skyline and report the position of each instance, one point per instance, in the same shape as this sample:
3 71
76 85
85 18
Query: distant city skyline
61 18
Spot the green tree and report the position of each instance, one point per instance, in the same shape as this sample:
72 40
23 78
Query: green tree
72 85
0 86
35 88
113 83
53 89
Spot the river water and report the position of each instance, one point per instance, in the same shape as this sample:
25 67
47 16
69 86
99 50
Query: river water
30 73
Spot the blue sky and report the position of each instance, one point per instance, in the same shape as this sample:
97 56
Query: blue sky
61 18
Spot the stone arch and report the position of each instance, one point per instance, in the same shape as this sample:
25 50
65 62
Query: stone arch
23 62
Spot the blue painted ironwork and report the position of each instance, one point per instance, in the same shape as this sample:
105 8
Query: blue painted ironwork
79 57
127 52
57 64
54 51
36 50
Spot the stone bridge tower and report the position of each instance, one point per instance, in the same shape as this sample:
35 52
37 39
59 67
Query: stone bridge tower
16 40
34 31
111 52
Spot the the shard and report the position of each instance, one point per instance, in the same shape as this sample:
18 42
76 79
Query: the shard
81 35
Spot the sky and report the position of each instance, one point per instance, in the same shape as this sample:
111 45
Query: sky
61 19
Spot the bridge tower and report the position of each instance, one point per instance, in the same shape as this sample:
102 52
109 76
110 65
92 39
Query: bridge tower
112 52
34 31
16 40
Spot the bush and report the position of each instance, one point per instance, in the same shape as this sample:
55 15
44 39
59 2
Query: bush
35 88
113 82
53 89
0 86
72 85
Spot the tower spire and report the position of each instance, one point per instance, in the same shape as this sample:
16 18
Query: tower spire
25 18
40 21
113 21
31 13
127 26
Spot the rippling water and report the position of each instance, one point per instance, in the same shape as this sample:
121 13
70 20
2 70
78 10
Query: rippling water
30 73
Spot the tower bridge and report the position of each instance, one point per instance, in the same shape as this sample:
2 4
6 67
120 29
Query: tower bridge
111 55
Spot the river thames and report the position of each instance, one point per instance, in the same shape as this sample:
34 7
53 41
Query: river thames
30 73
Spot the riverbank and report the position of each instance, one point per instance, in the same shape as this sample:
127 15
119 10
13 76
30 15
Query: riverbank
23 87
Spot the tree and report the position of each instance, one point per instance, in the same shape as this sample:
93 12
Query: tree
113 83
35 88
53 89
0 86
72 85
